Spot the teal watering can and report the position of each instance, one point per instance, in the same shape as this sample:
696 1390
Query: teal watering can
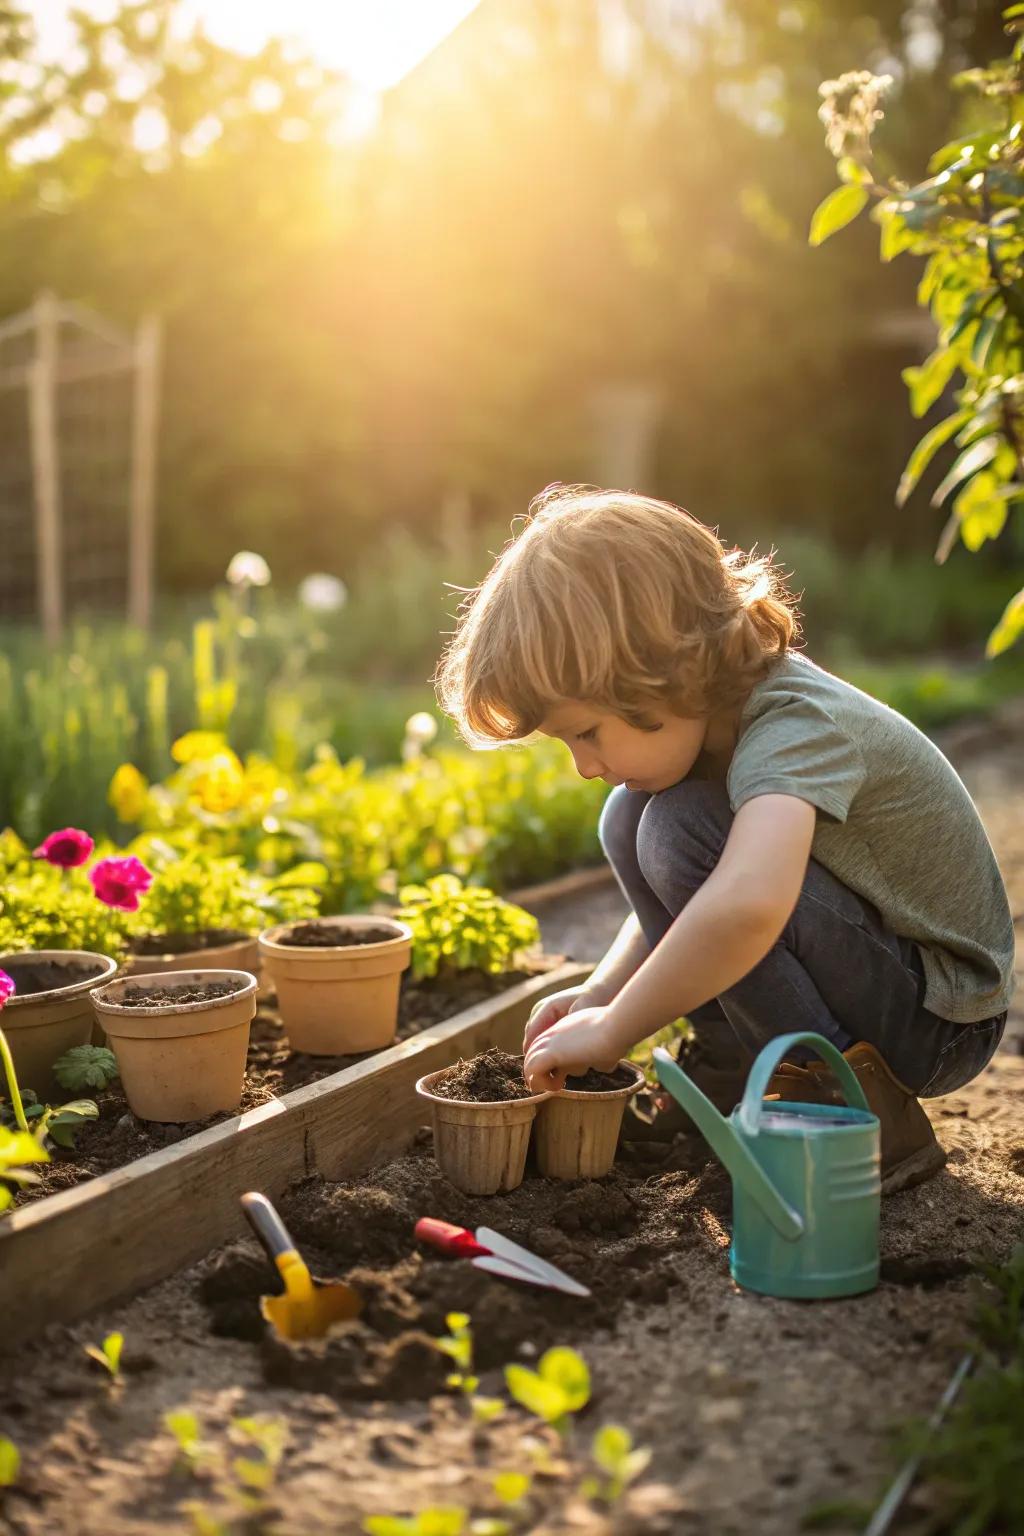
806 1185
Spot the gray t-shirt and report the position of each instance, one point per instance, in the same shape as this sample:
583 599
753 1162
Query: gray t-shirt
895 824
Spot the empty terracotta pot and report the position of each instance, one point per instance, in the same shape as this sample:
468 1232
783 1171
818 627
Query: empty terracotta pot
577 1132
49 1014
480 1148
180 1061
338 1000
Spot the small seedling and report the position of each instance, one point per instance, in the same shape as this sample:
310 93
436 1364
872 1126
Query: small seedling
618 1462
108 1354
558 1388
512 1487
10 1462
457 1344
184 1426
86 1066
16 1149
242 1483
447 1521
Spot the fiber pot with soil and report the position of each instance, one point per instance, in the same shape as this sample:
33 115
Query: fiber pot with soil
180 1039
337 981
51 1011
482 1113
578 1128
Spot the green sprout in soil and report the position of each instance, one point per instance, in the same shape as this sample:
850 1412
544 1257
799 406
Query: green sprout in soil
86 1066
242 1485
457 1344
557 1389
16 1149
59 1123
108 1354
618 1462
10 1462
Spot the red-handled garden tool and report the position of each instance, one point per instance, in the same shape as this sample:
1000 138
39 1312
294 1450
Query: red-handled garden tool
498 1255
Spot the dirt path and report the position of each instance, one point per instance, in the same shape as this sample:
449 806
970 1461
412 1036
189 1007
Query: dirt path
756 1410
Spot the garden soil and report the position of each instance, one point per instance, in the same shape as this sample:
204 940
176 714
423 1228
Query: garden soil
757 1410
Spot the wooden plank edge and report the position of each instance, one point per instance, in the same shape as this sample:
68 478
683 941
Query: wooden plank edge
101 1242
579 882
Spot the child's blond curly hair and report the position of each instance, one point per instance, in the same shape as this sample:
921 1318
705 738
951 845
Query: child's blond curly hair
616 600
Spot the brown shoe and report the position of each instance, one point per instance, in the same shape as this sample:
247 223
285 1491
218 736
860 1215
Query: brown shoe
910 1153
719 1069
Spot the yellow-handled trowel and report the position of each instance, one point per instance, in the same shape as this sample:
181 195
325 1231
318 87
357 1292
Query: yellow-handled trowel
308 1307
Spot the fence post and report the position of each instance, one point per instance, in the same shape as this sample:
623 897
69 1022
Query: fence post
141 532
42 409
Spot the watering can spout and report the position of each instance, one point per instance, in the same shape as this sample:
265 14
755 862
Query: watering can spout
728 1146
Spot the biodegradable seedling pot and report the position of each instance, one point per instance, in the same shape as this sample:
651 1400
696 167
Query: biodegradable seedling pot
480 1147
240 954
179 1061
338 1000
49 1015
577 1132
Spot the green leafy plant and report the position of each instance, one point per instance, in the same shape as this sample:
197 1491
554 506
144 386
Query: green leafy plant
17 1149
241 1483
965 219
557 1389
195 893
86 1066
10 1462
462 927
618 1464
108 1354
447 1520
57 1123
457 1344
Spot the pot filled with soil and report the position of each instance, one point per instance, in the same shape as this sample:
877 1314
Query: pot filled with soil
51 1010
219 949
578 1128
180 1039
337 981
482 1113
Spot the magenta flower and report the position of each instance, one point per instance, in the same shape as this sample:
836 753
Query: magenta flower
67 849
120 882
7 988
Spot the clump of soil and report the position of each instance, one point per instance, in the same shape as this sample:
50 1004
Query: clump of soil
184 992
185 943
327 936
491 1078
33 976
622 1236
593 1081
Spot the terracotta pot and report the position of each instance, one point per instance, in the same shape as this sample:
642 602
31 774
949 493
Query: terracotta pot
577 1133
338 1001
240 955
480 1148
180 1061
40 1026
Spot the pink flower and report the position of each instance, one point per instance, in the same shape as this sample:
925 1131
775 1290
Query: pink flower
120 882
67 849
7 988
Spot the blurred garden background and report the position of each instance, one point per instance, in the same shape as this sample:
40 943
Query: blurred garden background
411 263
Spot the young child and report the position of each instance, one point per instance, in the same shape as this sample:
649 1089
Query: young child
796 855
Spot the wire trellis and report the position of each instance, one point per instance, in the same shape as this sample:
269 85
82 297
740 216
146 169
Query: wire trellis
78 425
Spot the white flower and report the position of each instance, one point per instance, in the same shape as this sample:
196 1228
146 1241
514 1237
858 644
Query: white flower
321 593
421 727
248 570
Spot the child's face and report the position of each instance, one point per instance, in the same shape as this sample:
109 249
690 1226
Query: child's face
604 746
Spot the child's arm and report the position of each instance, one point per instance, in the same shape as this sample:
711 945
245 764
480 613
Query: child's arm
627 951
726 929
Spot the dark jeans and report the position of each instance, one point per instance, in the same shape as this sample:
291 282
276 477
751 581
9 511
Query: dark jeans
836 969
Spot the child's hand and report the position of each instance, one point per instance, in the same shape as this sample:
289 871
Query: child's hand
578 1041
555 1007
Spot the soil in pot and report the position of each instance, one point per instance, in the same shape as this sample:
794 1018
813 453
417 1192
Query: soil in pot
51 1011
337 981
186 943
482 1114
492 1077
180 1046
314 935
578 1129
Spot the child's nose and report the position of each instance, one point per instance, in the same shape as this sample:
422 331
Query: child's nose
587 765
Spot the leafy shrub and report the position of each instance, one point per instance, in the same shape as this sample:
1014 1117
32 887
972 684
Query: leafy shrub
192 894
86 1066
463 927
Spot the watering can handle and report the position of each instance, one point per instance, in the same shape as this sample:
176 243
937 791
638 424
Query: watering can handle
773 1053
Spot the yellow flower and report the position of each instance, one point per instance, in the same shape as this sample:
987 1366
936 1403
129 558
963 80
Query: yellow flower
222 785
198 744
128 792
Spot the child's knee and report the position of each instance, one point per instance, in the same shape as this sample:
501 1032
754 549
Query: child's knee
681 835
617 827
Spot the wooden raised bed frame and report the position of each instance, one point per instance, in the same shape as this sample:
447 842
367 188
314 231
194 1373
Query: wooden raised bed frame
99 1243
